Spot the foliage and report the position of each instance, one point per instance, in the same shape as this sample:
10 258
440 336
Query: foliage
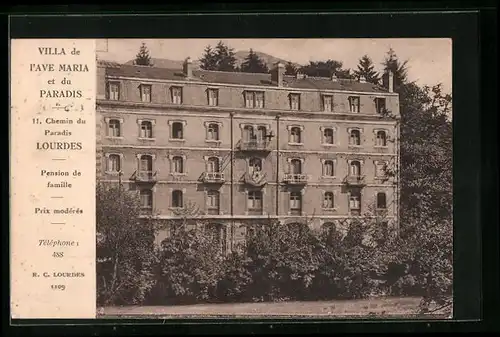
282 261
367 69
142 58
209 59
290 69
253 64
189 269
125 256
326 69
222 58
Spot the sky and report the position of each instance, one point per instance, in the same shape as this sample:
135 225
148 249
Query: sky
429 59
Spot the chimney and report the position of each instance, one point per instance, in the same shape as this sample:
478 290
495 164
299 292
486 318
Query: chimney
188 68
277 74
299 75
362 79
388 80
334 77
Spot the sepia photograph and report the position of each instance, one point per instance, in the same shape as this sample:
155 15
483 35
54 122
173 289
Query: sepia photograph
283 178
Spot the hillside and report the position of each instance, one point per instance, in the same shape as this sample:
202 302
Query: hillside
270 60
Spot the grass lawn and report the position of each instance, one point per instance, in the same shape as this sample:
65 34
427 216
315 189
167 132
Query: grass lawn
390 307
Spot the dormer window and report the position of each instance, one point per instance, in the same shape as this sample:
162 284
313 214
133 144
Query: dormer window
354 104
176 95
145 90
294 101
327 103
213 97
254 99
113 91
380 105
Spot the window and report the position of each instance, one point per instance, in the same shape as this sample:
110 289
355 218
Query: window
146 197
380 169
177 199
380 105
213 165
296 166
114 91
355 168
295 135
261 133
254 165
294 101
213 131
217 233
381 200
327 103
177 130
355 137
146 164
146 129
328 200
254 99
296 203
145 92
177 164
213 97
213 198
381 138
354 104
328 136
176 95
355 201
114 128
114 164
328 168
254 201
248 133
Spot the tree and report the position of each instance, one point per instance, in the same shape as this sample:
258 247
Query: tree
290 69
253 64
209 59
325 69
424 259
142 58
367 69
125 247
222 58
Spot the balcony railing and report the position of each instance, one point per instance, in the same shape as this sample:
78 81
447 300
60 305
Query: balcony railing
355 180
213 177
255 179
295 178
254 145
144 176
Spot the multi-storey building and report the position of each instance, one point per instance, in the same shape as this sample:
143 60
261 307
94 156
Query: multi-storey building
244 146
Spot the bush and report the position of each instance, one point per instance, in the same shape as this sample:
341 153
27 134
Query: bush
189 269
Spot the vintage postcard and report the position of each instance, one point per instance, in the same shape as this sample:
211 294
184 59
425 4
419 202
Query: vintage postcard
254 178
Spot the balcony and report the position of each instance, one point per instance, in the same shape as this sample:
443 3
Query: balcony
355 180
256 179
295 178
144 176
213 177
254 145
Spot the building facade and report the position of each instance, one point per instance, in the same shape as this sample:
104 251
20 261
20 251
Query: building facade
243 146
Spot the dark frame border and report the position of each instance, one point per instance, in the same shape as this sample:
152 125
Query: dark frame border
462 27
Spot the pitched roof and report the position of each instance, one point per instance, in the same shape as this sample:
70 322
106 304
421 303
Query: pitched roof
249 79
